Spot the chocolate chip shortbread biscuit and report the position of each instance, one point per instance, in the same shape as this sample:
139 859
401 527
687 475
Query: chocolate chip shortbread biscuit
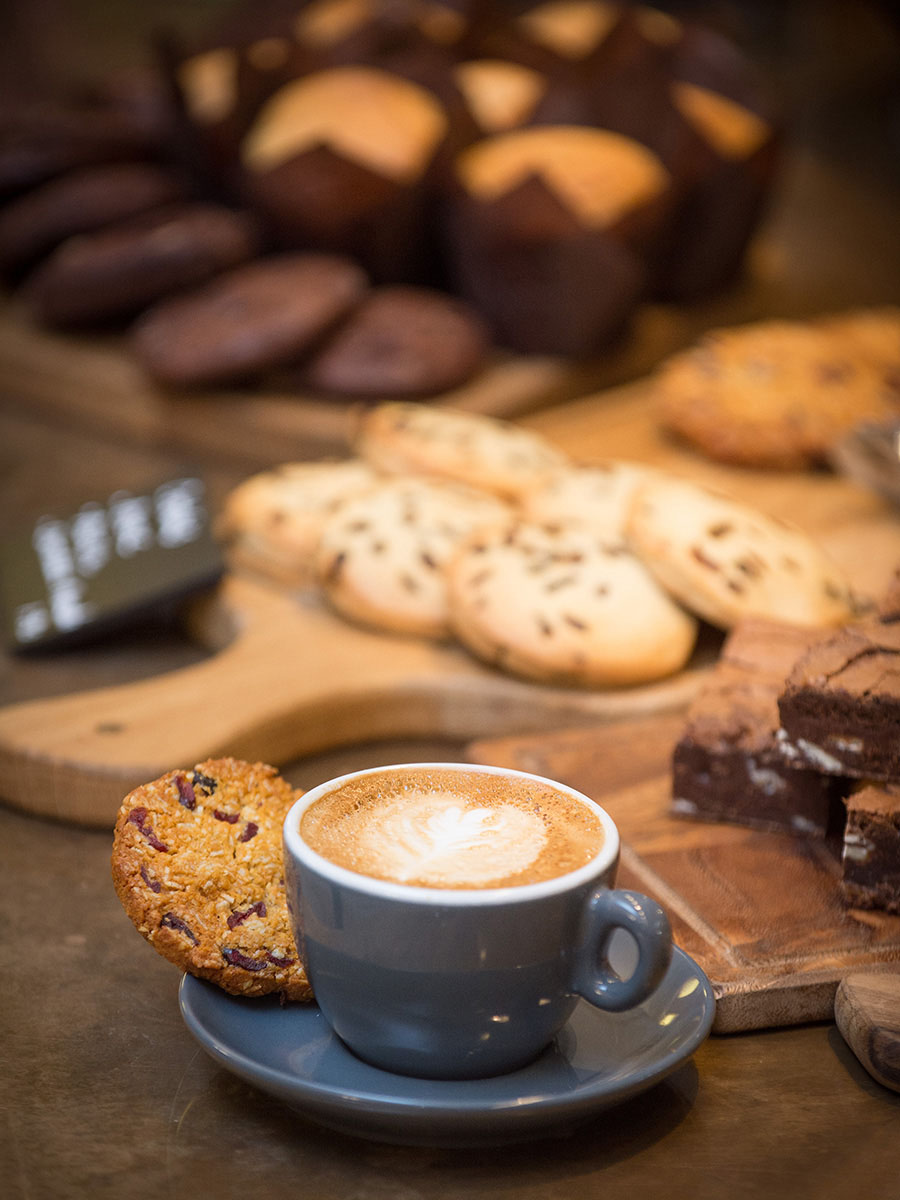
725 560
565 605
271 523
197 865
381 555
777 393
407 438
596 496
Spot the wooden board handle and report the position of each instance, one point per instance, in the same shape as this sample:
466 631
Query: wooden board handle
867 1011
287 678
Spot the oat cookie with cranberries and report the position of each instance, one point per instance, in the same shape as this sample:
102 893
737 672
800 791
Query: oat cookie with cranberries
197 864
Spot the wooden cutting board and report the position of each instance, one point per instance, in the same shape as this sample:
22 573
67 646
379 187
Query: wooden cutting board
760 912
95 383
286 677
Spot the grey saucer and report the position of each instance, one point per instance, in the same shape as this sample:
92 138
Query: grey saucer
598 1060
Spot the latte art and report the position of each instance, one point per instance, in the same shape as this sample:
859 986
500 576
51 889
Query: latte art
452 829
441 842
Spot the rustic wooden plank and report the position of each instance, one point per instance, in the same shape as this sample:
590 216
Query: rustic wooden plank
867 1010
287 678
760 912
93 382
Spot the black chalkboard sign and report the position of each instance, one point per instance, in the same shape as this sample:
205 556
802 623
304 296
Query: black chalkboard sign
111 563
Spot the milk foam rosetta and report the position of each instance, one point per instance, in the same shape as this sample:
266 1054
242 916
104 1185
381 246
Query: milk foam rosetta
447 829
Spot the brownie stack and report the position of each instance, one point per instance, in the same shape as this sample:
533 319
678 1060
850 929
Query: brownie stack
798 731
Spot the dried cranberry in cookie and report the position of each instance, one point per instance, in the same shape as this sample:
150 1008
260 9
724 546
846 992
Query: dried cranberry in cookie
197 865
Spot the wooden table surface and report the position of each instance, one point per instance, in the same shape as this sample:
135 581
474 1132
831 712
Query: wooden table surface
102 1089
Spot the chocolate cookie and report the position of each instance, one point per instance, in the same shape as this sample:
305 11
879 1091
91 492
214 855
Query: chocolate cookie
262 315
40 141
115 273
402 341
197 865
80 202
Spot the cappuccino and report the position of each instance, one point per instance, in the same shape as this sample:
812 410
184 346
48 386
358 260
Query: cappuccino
439 828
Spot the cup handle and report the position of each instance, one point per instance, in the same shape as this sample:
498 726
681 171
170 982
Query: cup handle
641 917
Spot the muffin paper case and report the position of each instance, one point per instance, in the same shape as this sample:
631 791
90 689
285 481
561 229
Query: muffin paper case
215 91
544 284
740 139
712 227
343 160
548 278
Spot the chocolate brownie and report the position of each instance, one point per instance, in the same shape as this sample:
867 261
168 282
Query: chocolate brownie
261 315
871 857
80 202
840 706
402 341
888 607
727 765
111 275
197 864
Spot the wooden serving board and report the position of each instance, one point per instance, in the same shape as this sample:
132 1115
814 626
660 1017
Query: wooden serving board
286 677
95 383
760 912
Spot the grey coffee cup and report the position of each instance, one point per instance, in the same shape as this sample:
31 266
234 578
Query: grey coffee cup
464 983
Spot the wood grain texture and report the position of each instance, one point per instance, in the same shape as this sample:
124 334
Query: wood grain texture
286 678
95 383
867 1011
760 912
294 680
